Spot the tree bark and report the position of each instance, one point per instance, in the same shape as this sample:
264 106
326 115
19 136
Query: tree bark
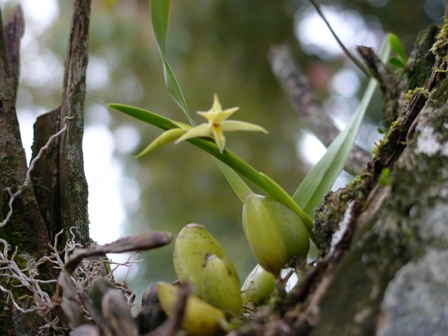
388 274
26 217
39 200
62 186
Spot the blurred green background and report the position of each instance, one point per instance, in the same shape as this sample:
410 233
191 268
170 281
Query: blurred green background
214 46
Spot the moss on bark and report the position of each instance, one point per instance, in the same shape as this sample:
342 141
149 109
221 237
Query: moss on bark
400 231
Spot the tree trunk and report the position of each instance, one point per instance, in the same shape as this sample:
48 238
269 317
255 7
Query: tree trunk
388 274
39 200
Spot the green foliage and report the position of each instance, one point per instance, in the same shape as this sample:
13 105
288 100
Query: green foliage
384 179
261 180
308 195
400 60
160 11
317 183
322 176
160 14
239 186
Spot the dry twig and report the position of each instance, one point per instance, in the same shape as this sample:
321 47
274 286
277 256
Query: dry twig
344 49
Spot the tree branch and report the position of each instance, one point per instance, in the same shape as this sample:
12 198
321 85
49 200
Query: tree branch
344 49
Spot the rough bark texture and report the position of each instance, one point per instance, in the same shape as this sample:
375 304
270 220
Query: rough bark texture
26 228
45 174
73 184
388 274
57 197
28 224
60 174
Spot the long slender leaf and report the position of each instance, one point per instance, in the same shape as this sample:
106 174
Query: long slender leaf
174 89
322 176
230 159
160 12
397 47
160 15
239 186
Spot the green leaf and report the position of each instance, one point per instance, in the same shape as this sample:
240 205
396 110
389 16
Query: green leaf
237 183
398 63
231 163
174 89
320 179
163 139
145 115
160 12
322 176
397 47
264 182
384 179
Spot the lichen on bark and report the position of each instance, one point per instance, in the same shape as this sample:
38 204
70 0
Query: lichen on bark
400 229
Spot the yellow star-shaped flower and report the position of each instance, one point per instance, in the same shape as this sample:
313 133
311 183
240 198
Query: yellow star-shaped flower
218 124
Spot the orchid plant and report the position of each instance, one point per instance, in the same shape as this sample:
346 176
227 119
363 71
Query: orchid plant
216 126
311 190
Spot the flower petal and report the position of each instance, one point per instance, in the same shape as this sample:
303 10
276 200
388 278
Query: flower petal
220 139
182 125
218 117
216 104
163 139
198 131
234 125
